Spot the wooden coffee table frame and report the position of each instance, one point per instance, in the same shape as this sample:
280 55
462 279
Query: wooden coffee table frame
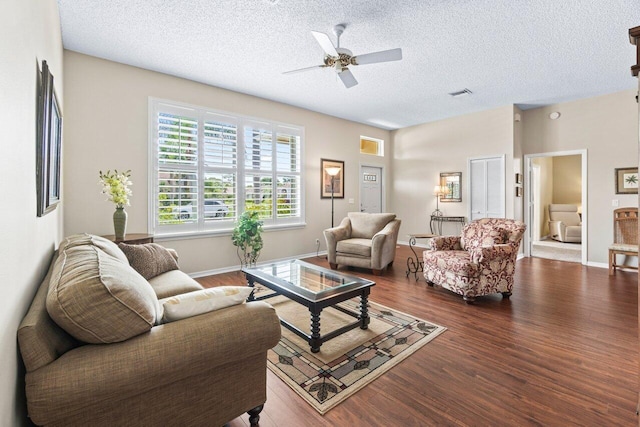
315 304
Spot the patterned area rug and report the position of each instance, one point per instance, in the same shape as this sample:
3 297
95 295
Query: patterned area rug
350 361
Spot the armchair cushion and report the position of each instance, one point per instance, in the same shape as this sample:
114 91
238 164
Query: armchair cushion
358 247
365 225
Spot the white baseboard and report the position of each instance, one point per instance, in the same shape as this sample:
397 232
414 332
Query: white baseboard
237 267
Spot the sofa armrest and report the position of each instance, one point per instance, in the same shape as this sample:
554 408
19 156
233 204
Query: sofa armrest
445 243
167 353
557 229
487 254
333 235
383 245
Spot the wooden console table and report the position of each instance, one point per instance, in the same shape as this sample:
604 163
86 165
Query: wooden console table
439 219
132 238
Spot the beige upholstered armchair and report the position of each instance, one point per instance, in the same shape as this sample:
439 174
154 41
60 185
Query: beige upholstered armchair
565 224
481 261
366 240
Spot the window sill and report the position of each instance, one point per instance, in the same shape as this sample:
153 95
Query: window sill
218 233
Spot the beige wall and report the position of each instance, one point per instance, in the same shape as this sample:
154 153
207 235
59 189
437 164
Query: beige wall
421 152
607 127
567 180
30 33
107 127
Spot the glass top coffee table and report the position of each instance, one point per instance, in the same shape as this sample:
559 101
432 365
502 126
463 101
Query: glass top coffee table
315 288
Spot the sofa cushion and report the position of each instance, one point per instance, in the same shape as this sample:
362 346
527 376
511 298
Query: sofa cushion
97 298
149 259
365 225
103 244
172 283
358 247
203 301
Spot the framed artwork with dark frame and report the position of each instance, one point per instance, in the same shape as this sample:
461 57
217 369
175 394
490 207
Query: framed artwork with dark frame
627 180
48 143
451 181
327 166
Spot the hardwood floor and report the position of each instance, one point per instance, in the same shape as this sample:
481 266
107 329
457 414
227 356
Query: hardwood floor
562 351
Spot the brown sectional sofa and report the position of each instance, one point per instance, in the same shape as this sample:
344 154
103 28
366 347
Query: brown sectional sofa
203 370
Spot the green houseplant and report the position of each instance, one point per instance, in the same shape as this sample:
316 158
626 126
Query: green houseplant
247 237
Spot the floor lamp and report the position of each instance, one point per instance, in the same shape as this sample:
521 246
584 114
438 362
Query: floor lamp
332 171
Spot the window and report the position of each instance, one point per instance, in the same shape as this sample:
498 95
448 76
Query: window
371 146
209 166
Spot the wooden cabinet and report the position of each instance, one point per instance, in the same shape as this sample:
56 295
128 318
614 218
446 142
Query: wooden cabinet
132 238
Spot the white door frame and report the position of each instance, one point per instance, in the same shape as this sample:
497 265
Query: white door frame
383 187
528 197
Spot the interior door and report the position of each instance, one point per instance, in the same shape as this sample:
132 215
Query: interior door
370 189
486 187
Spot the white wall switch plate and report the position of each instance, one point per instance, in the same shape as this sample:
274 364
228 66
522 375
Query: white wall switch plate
615 203
352 201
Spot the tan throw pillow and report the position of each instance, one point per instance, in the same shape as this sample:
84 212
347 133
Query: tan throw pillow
199 302
149 259
98 299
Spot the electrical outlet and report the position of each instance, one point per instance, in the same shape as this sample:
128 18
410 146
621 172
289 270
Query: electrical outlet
317 241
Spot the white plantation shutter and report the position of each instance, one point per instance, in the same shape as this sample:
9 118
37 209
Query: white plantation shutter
209 167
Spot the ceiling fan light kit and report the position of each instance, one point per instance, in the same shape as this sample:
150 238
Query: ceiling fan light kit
340 58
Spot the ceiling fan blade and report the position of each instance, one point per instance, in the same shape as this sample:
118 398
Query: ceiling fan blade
325 43
382 56
299 70
347 78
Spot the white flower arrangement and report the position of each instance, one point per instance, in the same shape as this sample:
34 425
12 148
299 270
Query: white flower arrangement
116 186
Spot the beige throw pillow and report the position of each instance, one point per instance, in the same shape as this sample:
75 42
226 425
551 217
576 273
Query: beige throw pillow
199 302
149 259
98 299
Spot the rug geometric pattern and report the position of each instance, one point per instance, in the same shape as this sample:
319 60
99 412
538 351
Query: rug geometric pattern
350 361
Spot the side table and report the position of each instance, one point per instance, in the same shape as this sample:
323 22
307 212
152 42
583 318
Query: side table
132 238
416 265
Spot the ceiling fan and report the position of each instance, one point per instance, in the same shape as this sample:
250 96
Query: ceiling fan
340 59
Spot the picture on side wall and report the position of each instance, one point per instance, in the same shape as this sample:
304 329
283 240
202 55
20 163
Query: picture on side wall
331 169
48 143
627 180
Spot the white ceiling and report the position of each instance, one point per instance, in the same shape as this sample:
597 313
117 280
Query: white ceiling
524 52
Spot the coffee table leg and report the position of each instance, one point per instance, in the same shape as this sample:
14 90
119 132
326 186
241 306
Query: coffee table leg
315 342
251 285
364 309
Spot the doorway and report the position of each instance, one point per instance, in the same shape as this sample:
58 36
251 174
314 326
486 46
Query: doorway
371 189
554 178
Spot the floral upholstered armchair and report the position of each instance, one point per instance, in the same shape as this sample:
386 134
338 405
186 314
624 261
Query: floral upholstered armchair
479 262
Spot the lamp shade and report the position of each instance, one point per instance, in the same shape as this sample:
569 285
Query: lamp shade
332 171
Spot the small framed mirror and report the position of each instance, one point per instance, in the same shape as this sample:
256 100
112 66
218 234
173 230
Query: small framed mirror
450 181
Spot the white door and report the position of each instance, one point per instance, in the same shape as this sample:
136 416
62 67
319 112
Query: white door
486 187
370 189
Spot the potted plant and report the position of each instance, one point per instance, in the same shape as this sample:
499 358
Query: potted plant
247 237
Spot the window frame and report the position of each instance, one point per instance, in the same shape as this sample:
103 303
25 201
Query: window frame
200 227
379 145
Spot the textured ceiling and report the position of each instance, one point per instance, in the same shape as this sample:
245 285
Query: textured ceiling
524 52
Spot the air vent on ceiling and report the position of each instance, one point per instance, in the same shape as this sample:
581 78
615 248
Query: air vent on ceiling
463 92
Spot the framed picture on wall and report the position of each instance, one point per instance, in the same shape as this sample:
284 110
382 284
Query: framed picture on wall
627 180
48 143
331 179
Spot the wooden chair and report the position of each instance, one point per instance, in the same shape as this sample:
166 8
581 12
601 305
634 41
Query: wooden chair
625 237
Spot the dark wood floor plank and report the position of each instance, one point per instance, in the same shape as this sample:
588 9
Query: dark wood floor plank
561 351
